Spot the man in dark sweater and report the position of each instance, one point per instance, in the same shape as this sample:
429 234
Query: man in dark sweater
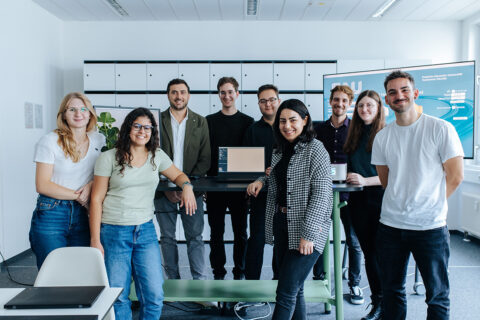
260 134
333 133
227 128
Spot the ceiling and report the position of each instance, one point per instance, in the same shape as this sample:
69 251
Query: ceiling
268 10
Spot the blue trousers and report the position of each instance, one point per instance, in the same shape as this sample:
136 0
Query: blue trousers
431 250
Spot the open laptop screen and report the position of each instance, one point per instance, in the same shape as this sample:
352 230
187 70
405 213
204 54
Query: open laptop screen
241 159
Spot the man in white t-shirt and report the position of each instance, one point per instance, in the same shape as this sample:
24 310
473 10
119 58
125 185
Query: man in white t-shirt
419 160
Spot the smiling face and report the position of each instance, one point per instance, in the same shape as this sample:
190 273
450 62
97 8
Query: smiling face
76 114
401 95
268 103
141 131
340 103
228 95
178 96
367 109
291 124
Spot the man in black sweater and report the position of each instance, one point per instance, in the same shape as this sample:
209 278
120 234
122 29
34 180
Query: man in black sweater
227 129
260 134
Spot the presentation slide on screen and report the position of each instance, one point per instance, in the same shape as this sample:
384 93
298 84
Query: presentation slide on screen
447 91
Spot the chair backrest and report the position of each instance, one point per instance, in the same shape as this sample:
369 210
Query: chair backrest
73 266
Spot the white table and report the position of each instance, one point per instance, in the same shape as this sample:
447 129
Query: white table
100 307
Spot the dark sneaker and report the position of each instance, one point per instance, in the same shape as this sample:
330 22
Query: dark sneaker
375 313
356 295
321 276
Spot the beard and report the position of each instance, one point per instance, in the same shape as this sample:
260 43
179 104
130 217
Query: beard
178 108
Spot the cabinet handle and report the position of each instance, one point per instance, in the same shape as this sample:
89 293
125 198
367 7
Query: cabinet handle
119 75
87 75
277 74
181 75
308 74
213 75
150 74
245 74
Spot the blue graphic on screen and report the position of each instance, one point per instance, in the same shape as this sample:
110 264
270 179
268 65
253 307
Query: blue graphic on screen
222 159
447 91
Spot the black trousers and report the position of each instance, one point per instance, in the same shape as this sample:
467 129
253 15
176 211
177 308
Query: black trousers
365 207
217 204
256 241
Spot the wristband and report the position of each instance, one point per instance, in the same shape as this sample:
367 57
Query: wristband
187 183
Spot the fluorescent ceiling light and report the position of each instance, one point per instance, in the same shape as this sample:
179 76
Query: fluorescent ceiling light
117 7
381 11
252 6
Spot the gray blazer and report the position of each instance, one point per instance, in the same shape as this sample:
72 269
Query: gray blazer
309 195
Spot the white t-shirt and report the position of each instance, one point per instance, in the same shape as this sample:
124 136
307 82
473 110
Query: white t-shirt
415 197
67 173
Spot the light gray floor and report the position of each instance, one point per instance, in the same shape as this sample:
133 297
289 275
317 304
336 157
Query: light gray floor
464 278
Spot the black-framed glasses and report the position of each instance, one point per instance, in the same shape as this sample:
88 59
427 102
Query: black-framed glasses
264 101
138 127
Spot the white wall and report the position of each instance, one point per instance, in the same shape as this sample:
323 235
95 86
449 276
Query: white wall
32 70
438 42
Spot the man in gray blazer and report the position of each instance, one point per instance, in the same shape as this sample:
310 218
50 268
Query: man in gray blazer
186 141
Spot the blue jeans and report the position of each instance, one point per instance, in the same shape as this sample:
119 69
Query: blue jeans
431 250
166 213
293 270
134 250
57 224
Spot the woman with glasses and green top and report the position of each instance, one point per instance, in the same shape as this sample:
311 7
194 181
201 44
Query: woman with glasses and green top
64 161
121 212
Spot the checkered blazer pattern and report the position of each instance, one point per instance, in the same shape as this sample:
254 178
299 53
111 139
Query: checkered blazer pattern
309 195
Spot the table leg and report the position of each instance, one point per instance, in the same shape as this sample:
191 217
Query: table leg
326 269
337 267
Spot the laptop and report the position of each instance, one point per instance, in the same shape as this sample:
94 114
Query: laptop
55 297
240 163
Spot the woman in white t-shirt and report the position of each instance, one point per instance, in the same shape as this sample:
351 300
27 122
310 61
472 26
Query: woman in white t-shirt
65 159
121 212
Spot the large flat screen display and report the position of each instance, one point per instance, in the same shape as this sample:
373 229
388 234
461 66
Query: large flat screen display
447 91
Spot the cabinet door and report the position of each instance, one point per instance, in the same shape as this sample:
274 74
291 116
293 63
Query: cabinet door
195 74
314 103
314 74
200 103
104 100
131 76
131 100
286 96
216 104
160 74
255 75
250 106
157 101
289 76
99 77
219 70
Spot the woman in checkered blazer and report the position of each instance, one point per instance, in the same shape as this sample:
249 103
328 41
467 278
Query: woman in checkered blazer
299 204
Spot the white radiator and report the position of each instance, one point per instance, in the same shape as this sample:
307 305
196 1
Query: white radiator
470 219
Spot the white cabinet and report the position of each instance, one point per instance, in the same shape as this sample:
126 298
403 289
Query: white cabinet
197 75
131 76
219 70
131 100
216 104
160 74
289 76
200 103
314 74
286 96
250 106
157 101
99 76
255 75
314 103
104 100
470 218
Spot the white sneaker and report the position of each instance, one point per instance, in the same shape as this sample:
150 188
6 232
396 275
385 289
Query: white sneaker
207 304
356 295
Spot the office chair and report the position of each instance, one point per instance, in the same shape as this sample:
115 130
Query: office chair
74 266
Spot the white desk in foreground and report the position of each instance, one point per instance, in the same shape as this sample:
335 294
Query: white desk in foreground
100 307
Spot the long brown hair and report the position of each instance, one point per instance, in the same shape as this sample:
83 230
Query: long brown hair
65 135
356 124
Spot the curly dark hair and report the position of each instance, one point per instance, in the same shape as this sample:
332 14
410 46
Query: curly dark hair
123 154
308 133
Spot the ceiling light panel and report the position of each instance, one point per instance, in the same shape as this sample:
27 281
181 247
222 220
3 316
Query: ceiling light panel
270 9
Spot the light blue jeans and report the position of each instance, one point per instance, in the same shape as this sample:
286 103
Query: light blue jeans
57 224
134 251
166 213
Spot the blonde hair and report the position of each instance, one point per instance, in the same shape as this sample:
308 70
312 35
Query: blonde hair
65 135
